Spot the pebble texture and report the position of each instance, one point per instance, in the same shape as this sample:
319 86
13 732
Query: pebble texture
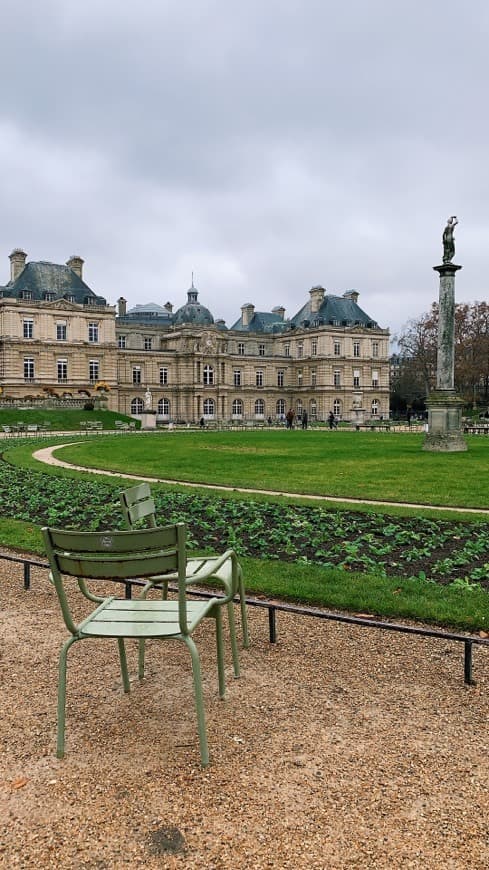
339 747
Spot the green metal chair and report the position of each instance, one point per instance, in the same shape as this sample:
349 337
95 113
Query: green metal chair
138 506
121 556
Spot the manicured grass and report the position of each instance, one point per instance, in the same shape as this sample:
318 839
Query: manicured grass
385 466
61 420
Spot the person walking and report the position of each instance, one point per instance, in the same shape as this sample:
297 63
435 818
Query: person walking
289 418
331 421
304 419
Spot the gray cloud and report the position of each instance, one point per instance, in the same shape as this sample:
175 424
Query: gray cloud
266 146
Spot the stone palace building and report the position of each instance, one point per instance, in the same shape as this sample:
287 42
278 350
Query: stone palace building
59 339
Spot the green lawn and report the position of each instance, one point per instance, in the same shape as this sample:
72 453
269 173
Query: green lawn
59 420
385 466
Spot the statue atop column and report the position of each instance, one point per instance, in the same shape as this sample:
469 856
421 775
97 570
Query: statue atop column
448 239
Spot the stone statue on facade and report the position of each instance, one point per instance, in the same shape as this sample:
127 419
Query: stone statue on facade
148 400
448 239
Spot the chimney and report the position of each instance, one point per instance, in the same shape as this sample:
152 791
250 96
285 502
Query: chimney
317 298
17 263
351 294
76 264
247 312
169 307
121 306
280 311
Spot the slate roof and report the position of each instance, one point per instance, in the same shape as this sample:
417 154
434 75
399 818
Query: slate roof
262 321
149 313
335 311
39 278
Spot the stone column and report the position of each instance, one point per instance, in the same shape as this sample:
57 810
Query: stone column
444 406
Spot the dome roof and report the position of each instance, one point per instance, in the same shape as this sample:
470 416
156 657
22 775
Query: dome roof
193 311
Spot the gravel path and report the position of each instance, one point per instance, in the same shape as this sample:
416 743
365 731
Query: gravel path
339 747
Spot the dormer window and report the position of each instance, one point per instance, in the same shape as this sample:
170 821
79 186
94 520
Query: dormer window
26 294
48 296
69 297
89 300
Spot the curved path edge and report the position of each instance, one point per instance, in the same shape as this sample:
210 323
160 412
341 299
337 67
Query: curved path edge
46 455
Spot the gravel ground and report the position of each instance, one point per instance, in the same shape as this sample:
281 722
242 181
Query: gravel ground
339 747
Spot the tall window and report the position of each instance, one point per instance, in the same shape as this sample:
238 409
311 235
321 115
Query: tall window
137 406
375 407
61 331
93 371
148 343
209 408
356 348
93 332
121 342
280 378
299 377
281 408
259 408
337 348
314 347
375 348
337 378
237 377
208 376
28 369
62 367
375 378
241 349
314 377
356 377
28 327
287 349
261 350
313 409
298 408
163 375
337 408
259 377
300 349
136 374
237 408
164 407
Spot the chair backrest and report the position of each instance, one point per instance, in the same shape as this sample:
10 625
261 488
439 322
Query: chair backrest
138 504
116 556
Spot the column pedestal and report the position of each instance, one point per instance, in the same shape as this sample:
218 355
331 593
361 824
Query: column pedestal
148 420
444 423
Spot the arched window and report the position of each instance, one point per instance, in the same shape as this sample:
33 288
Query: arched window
208 375
209 408
164 407
337 408
237 408
375 407
259 408
313 408
281 408
137 406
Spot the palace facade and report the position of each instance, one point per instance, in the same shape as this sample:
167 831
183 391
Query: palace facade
59 338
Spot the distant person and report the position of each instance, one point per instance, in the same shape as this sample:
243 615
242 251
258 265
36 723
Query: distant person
269 421
331 421
289 419
304 419
201 422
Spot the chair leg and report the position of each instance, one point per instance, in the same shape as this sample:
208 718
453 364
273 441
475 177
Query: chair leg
60 743
220 654
234 643
244 612
199 701
123 660
141 651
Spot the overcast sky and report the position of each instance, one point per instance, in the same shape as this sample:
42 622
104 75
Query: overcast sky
266 145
